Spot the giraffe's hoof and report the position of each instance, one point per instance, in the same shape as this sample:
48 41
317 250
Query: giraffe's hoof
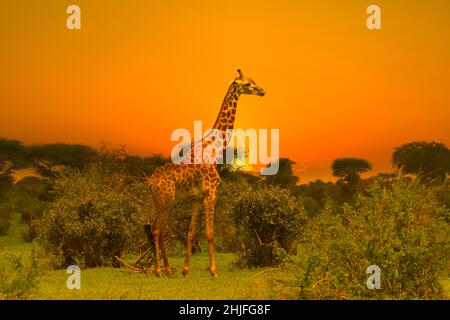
158 273
185 272
214 273
169 273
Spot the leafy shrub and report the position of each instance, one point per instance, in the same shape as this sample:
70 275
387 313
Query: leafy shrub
27 197
400 228
311 206
6 183
92 219
4 225
30 208
444 195
268 220
5 217
228 194
17 276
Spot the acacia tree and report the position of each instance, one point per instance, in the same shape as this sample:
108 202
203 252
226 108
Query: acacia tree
428 160
349 169
46 158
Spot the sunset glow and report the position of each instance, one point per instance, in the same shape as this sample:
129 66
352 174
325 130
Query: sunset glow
138 70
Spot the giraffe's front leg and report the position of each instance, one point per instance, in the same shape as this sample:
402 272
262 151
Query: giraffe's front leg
209 202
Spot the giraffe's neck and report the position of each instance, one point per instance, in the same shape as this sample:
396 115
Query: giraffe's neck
227 113
224 121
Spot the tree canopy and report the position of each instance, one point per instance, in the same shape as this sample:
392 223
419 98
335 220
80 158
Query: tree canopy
46 158
429 160
11 151
350 168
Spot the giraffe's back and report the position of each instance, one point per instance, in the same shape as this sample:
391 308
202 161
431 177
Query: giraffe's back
183 176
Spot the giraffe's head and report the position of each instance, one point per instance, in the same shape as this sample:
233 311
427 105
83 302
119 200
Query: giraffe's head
246 85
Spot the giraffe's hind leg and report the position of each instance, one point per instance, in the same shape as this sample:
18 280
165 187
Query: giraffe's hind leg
190 237
162 200
167 266
156 232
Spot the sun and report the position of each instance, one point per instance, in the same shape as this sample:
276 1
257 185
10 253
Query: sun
242 164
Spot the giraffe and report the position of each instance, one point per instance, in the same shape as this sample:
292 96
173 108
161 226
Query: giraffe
200 180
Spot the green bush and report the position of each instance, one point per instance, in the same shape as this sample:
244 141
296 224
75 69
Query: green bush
6 182
30 209
268 221
311 206
5 217
92 219
401 228
27 197
225 230
18 276
4 226
444 195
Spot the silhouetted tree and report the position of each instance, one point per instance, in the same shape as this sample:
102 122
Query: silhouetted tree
11 157
11 154
138 167
46 158
349 169
285 177
429 160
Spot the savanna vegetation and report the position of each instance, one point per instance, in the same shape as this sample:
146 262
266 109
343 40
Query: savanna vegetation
275 237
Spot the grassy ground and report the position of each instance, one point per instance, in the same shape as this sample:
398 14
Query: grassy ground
113 283
109 283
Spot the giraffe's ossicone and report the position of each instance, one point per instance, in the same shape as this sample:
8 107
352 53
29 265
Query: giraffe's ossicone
201 180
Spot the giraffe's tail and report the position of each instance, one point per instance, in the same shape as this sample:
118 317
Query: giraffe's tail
148 232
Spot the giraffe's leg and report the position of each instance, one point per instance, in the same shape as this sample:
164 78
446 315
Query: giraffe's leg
208 203
162 199
156 232
190 237
167 266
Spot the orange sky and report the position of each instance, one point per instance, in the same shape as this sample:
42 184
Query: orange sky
139 69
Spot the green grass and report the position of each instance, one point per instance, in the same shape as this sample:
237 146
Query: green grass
114 283
110 283
446 286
